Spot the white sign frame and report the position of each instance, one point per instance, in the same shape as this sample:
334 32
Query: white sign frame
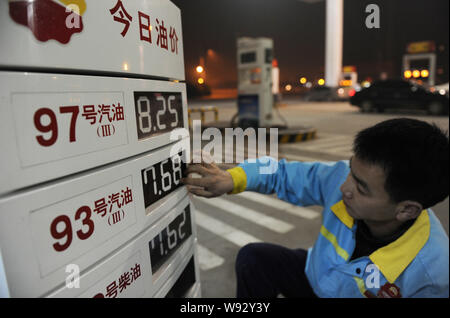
27 275
88 51
15 167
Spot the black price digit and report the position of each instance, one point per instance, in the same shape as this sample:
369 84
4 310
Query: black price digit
162 178
176 167
170 239
173 110
161 112
157 112
166 176
181 235
143 113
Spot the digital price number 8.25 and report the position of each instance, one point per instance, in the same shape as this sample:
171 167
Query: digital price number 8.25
157 113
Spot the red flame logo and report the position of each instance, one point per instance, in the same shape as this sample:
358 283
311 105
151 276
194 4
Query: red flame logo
48 19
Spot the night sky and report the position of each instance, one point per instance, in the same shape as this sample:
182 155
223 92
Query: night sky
211 27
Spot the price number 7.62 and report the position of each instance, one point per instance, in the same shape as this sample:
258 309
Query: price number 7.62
163 245
157 112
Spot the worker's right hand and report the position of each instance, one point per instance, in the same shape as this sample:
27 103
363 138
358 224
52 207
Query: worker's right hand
213 181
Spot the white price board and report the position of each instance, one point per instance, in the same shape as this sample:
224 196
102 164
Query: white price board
82 219
77 36
129 272
56 125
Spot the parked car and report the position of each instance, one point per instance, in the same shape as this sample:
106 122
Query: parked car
441 89
321 94
399 94
345 92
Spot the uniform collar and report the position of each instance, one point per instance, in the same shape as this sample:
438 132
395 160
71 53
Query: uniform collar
393 258
340 211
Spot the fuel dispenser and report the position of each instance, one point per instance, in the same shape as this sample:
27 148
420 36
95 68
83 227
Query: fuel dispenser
255 98
256 92
91 203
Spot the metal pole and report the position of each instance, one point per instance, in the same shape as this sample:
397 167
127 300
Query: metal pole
333 45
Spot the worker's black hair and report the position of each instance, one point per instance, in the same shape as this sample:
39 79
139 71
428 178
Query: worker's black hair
414 156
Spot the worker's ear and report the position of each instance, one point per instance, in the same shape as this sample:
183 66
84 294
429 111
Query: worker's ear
408 210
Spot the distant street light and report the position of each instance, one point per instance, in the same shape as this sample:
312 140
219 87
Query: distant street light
288 87
303 80
200 81
416 73
407 74
424 73
199 69
321 82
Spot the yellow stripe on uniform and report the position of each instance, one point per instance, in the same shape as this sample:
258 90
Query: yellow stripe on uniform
361 286
332 239
239 180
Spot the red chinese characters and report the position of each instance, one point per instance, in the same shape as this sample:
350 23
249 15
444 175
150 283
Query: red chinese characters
121 15
173 40
104 116
162 35
62 228
119 285
46 121
112 205
145 28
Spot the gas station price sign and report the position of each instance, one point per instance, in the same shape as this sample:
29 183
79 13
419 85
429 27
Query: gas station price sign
67 229
163 245
57 125
162 178
157 113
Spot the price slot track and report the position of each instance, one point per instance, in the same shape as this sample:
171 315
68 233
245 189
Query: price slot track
93 127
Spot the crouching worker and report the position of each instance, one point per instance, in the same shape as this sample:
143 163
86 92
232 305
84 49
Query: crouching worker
379 237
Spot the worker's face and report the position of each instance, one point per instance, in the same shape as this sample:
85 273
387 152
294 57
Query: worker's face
364 194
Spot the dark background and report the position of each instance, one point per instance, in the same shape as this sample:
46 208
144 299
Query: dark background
211 28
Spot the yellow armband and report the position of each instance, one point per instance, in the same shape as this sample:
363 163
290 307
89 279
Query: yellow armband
239 180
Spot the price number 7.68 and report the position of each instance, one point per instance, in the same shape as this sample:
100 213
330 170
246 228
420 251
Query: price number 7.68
162 178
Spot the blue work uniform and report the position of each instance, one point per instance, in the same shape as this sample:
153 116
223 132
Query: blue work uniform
414 265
